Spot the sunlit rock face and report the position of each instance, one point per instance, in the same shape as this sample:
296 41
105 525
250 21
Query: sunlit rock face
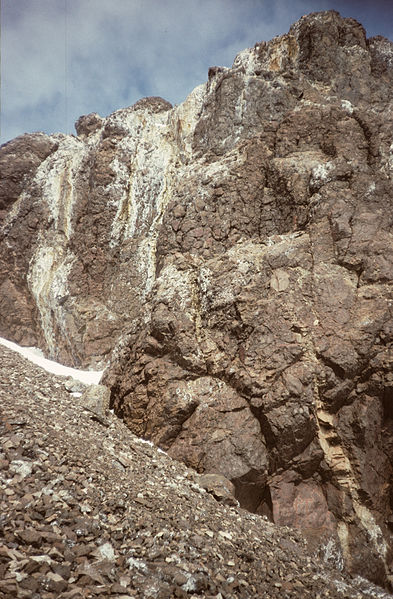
237 252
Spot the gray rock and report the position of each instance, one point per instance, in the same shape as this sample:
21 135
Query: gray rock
74 386
95 399
220 487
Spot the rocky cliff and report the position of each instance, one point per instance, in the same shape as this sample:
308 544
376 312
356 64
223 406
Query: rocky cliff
89 510
232 257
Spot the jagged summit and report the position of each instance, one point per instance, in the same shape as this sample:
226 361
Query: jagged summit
231 258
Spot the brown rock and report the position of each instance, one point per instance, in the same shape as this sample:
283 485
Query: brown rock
220 487
88 124
96 400
258 359
243 274
30 537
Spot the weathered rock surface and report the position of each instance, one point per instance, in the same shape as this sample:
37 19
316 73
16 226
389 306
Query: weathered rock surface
244 241
90 510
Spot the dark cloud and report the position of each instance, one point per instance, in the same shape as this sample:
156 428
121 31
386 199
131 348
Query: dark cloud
64 58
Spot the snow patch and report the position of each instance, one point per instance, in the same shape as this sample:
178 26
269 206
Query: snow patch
89 377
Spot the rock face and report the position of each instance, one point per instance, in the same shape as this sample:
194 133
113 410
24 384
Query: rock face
238 250
90 510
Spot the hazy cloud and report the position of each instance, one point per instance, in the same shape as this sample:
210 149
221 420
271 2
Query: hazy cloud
64 58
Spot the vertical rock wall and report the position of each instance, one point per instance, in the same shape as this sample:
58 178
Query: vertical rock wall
238 251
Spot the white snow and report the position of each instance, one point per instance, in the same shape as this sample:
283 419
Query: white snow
89 377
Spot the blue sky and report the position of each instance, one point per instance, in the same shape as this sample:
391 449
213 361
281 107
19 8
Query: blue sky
64 58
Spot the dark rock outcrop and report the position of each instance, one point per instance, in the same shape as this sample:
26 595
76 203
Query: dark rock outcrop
90 510
243 240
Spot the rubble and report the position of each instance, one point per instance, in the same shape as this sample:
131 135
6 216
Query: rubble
90 510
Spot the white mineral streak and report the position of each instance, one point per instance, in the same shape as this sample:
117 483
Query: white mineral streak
184 118
47 280
346 105
119 198
333 554
51 263
340 465
152 153
247 59
56 175
148 161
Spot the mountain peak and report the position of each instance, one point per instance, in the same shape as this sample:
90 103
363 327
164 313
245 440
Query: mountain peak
229 260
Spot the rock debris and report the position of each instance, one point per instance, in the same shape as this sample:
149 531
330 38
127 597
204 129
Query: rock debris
89 510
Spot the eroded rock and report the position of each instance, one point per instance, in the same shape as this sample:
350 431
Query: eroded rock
103 513
238 249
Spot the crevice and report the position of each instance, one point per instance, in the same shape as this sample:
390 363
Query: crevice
387 404
234 410
338 370
368 137
115 403
265 426
252 491
265 508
